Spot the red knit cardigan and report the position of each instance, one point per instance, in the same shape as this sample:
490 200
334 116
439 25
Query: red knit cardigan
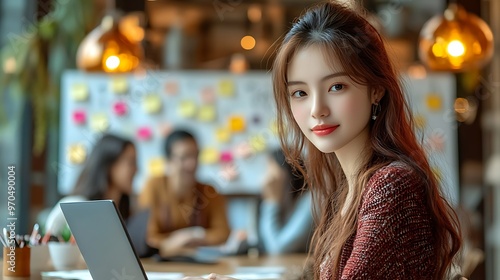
394 238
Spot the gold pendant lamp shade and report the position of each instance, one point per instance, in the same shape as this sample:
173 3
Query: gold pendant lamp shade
107 49
455 41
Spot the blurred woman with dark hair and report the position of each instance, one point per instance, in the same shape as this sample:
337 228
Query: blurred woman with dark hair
108 174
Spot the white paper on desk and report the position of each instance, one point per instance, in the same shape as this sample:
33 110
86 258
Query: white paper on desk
85 275
253 276
261 269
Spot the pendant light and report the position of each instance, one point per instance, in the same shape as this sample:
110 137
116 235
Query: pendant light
455 41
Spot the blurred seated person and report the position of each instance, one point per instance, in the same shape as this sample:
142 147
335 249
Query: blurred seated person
184 213
286 221
108 173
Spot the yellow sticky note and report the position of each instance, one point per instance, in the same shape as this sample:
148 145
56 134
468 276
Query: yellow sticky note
420 121
76 153
187 109
273 126
226 88
258 143
156 167
236 123
99 122
207 113
79 92
119 85
433 101
151 104
222 135
209 156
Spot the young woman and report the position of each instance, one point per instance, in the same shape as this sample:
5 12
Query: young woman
286 221
339 100
108 174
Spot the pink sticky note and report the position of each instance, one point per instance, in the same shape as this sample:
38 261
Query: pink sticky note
79 117
120 108
208 95
226 156
144 133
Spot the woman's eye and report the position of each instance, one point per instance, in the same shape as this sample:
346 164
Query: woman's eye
298 93
337 87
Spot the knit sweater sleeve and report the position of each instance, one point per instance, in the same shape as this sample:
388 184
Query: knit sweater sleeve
393 227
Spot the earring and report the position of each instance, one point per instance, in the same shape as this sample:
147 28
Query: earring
375 110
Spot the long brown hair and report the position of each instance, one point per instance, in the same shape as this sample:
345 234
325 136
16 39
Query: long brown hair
345 34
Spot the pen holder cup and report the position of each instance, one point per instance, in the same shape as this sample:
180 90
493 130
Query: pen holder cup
16 263
65 256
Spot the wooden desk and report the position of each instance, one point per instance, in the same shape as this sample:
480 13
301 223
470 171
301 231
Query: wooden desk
226 265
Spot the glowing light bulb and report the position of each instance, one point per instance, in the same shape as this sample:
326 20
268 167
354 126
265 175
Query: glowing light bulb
112 62
248 42
455 48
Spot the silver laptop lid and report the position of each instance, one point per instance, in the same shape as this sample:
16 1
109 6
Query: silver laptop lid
103 240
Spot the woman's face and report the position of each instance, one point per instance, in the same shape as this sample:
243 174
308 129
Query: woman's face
183 160
124 169
330 108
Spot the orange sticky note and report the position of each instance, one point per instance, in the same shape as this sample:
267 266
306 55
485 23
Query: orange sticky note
226 88
151 104
207 113
118 85
236 123
187 109
79 92
433 101
222 135
76 153
209 156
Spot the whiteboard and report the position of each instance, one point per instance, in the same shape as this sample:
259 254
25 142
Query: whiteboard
431 99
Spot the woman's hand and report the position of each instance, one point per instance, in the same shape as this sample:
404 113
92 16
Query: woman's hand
212 276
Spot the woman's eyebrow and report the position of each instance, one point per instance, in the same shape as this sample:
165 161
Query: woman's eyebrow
291 83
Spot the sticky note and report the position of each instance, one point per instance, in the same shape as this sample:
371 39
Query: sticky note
99 122
171 88
236 124
273 126
76 153
209 156
207 113
151 104
243 150
207 95
258 143
229 172
118 85
226 88
165 128
433 102
79 117
222 135
420 121
79 92
120 108
144 133
226 156
156 167
187 109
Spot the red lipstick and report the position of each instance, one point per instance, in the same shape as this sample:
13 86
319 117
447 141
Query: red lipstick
323 129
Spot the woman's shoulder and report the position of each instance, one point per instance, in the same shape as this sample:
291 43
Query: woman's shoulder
396 177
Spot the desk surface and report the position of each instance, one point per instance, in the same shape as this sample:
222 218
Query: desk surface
227 265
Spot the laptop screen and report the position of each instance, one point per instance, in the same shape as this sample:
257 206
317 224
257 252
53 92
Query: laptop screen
103 240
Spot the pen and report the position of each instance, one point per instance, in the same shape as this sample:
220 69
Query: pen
34 233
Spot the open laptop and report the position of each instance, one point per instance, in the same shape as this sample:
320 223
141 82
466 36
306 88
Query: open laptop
103 240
